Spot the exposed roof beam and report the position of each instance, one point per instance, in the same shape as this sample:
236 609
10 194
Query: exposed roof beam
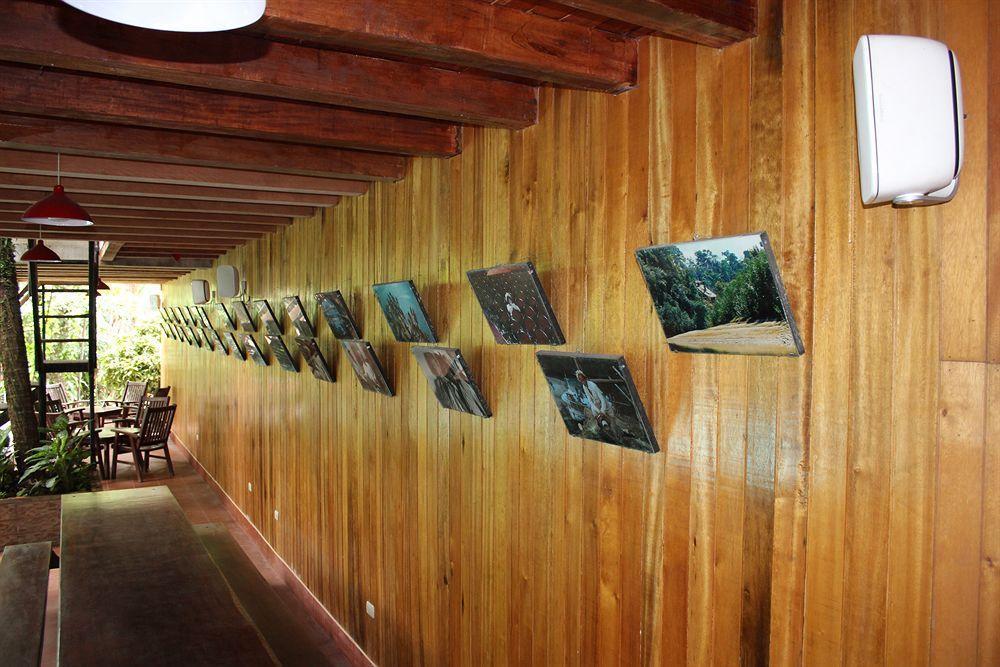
167 241
77 137
469 33
77 166
102 214
125 188
152 204
185 228
86 97
154 263
710 22
58 36
110 251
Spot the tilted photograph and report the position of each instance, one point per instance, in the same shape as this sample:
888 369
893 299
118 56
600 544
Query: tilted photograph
405 312
367 366
597 399
515 305
297 314
338 315
309 349
281 353
451 380
721 296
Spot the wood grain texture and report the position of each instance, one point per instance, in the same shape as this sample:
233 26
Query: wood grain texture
817 510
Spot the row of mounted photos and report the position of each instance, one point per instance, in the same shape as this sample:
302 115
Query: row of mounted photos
716 296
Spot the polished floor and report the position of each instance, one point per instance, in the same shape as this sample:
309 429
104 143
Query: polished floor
202 506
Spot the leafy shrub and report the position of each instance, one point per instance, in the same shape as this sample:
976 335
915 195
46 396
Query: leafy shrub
751 296
8 468
59 466
133 358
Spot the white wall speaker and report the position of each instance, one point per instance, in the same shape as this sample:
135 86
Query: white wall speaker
908 103
200 292
227 281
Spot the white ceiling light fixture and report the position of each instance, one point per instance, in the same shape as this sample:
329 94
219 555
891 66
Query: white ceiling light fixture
176 15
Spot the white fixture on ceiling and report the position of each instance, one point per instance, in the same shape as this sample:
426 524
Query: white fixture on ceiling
908 103
176 15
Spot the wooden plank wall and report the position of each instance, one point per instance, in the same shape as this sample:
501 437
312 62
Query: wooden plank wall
843 507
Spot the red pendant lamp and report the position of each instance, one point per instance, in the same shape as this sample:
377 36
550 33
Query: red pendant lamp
57 210
40 253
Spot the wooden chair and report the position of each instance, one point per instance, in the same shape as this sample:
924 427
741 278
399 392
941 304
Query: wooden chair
128 426
57 392
152 435
131 398
54 411
162 392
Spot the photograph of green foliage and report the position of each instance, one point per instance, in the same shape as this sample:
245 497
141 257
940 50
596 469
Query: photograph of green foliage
721 296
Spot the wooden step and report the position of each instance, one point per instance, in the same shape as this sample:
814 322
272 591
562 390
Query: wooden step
24 585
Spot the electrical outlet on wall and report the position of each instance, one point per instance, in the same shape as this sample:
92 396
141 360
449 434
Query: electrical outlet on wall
370 608
249 487
277 514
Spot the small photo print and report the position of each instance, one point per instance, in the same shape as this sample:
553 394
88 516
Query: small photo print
338 315
227 317
217 341
297 313
272 325
597 399
243 316
367 366
196 336
253 350
203 317
405 312
310 351
451 380
721 296
281 353
515 305
234 346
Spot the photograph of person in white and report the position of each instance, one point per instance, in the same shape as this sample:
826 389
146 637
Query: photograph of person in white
597 399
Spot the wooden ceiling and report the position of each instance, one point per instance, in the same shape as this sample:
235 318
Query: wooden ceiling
184 146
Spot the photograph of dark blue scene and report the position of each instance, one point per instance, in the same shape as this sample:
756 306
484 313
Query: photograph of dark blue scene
338 315
597 399
405 312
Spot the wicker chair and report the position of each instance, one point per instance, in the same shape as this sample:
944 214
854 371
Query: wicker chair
151 436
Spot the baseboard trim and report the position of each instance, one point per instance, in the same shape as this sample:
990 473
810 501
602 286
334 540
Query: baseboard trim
344 641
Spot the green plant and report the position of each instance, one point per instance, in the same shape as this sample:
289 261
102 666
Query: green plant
130 359
59 466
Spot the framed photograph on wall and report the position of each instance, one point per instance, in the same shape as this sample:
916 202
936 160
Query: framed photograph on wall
338 315
280 352
192 316
217 342
309 349
234 346
182 334
183 319
227 317
451 380
405 312
597 399
253 351
721 296
166 331
297 314
270 322
515 305
203 317
367 366
243 315
196 336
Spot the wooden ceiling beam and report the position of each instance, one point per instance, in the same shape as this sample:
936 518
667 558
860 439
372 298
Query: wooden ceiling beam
153 264
87 97
110 251
153 204
125 229
75 137
468 33
58 36
97 168
125 188
160 240
101 214
714 23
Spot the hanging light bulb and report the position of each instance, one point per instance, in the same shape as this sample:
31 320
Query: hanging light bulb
174 15
40 253
57 209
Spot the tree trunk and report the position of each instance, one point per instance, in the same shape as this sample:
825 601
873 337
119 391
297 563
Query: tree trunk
14 359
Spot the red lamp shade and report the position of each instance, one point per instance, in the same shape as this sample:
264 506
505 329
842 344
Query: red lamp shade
39 253
58 210
101 285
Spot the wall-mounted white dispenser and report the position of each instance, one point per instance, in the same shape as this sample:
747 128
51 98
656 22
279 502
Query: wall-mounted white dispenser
227 281
200 292
908 103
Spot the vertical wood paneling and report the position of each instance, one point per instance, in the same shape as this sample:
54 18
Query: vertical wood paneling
835 508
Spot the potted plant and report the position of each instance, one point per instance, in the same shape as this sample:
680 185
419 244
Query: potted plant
59 466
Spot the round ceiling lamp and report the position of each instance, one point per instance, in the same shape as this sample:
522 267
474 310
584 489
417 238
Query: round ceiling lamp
57 210
176 15
40 253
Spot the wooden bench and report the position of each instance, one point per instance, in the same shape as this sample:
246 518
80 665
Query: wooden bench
24 585
291 644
